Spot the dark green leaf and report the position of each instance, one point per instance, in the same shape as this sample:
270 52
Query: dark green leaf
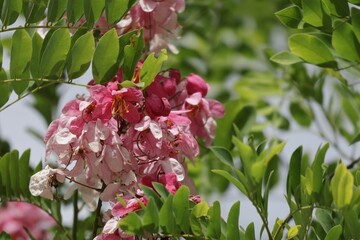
317 168
5 89
232 228
54 56
81 55
56 10
166 216
301 113
345 42
74 10
149 192
151 217
5 175
133 52
250 232
93 10
223 155
21 52
160 189
245 119
290 16
34 11
116 9
355 21
14 173
24 175
313 13
181 208
293 177
231 179
338 8
104 66
214 227
311 49
10 11
324 218
37 42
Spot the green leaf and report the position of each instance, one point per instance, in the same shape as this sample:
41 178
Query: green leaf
258 170
5 89
293 177
313 13
24 174
317 168
34 11
290 16
341 186
334 233
104 66
214 227
250 232
151 217
1 54
133 52
355 21
338 8
181 208
345 42
301 113
325 219
293 231
166 216
56 10
245 119
285 58
151 67
93 10
149 192
131 224
116 9
223 155
14 173
37 42
54 56
5 175
81 55
312 50
200 210
124 40
232 227
21 51
10 11
74 10
231 179
160 189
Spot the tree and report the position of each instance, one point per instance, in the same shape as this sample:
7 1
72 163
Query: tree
145 132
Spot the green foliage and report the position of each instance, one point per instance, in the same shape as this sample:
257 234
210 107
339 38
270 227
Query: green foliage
177 216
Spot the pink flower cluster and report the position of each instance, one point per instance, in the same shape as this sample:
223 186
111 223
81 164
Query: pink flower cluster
16 216
119 137
158 19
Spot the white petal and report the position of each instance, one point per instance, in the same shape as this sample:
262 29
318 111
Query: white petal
155 130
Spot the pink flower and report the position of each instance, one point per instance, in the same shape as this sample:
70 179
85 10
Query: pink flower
194 84
202 113
132 205
15 216
156 106
127 103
